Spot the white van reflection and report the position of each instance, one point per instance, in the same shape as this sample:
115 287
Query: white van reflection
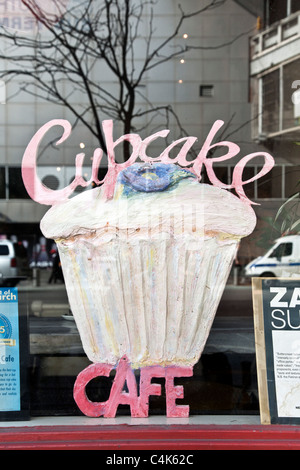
282 260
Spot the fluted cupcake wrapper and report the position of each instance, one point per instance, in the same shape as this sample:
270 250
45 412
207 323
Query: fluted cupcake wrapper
153 300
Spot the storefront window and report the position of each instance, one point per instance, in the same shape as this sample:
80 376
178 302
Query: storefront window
90 88
292 178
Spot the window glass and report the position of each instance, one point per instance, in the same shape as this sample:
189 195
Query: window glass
270 185
290 77
250 188
292 180
63 68
284 249
270 102
277 10
295 5
16 186
2 183
221 173
4 250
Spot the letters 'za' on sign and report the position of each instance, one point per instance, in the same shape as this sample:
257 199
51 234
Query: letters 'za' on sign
276 303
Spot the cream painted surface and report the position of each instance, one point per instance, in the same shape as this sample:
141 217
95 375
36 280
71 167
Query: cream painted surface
145 273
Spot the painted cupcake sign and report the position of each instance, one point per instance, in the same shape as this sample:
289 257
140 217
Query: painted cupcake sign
145 257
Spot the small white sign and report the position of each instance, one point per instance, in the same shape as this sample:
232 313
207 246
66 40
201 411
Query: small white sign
296 101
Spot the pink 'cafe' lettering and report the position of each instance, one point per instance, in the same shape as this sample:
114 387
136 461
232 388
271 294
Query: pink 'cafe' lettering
139 405
44 195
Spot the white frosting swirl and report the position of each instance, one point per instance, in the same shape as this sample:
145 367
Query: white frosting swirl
188 208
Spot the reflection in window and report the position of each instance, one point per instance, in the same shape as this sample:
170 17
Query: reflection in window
292 180
295 5
270 102
51 182
270 185
280 183
277 10
2 92
16 186
2 183
221 173
284 249
290 75
248 173
4 250
279 111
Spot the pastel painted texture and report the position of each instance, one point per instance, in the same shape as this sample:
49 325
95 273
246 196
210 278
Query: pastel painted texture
145 270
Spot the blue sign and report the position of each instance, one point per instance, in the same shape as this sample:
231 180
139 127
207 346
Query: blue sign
10 395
